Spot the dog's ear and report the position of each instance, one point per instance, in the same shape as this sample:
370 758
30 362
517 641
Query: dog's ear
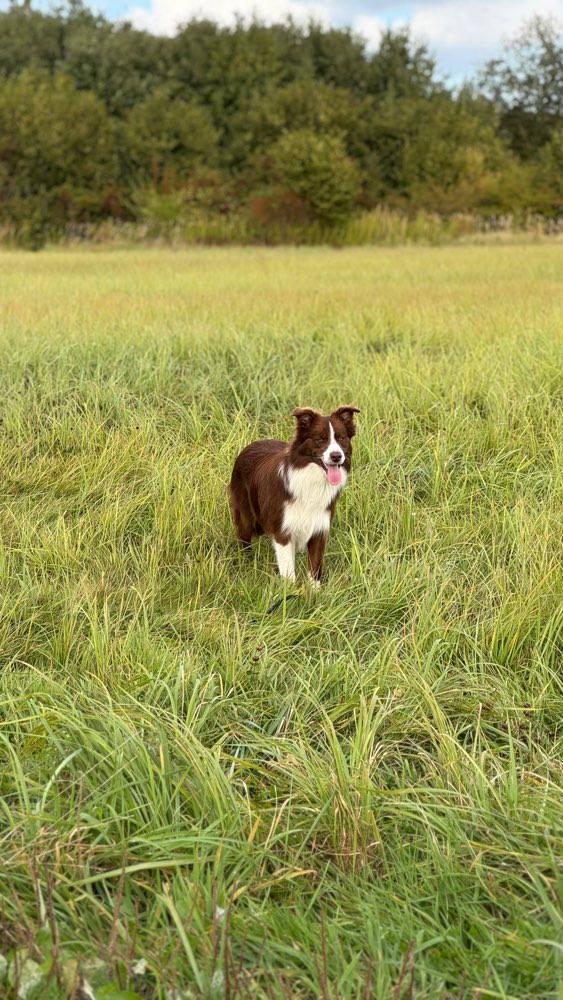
346 414
305 417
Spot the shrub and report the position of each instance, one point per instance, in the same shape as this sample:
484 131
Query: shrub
317 170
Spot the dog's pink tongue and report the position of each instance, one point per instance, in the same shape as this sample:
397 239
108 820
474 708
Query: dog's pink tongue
334 473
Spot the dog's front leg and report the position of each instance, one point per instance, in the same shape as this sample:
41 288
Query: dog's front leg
316 550
285 555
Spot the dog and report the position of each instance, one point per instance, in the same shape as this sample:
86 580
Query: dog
288 491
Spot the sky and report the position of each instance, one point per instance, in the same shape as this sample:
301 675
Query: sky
461 34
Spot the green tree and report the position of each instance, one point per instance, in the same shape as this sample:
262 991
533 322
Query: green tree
318 107
166 139
29 38
337 56
119 64
401 69
317 169
58 157
549 174
526 84
452 153
116 62
91 112
224 67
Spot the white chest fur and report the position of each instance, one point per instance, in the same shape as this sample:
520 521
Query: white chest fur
306 514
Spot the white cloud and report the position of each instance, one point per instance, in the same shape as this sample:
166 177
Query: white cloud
164 16
447 26
370 27
475 24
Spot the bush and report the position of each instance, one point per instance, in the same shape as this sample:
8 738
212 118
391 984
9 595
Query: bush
317 170
57 155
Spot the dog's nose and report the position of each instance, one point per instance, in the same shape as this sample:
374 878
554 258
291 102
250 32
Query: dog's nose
336 456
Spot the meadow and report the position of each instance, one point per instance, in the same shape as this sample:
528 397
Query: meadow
214 784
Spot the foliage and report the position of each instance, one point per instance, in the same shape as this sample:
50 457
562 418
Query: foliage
167 140
452 155
303 104
527 84
148 110
402 69
549 177
58 157
316 168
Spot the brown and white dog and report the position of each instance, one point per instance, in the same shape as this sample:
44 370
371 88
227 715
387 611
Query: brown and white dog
289 491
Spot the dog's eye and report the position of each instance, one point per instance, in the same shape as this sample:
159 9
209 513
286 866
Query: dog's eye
319 440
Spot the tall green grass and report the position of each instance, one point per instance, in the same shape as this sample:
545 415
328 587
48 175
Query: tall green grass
166 220
358 793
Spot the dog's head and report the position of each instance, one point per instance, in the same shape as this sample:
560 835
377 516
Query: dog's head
325 440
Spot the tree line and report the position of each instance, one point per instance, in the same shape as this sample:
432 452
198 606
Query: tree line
283 126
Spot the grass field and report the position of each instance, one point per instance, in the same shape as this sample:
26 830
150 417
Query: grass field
357 794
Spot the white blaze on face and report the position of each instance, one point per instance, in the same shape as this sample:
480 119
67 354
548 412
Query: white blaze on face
333 470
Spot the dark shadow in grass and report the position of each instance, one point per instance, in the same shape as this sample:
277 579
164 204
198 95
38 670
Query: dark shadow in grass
280 601
382 345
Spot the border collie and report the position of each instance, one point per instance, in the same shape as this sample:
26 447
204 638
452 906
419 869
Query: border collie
289 491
